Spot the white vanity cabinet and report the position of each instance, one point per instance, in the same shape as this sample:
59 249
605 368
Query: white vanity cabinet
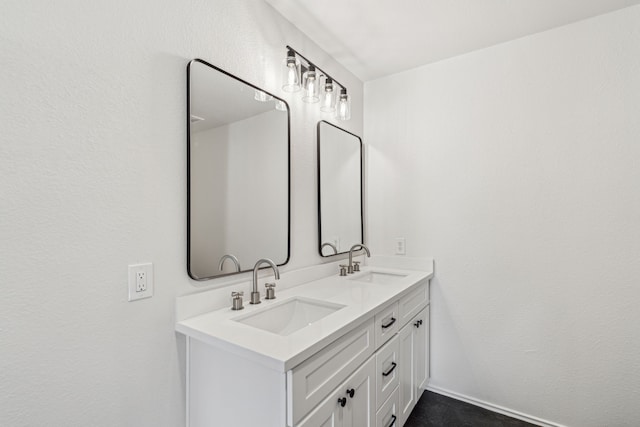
414 361
371 375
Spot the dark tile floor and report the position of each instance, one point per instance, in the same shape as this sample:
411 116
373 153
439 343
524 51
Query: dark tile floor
435 410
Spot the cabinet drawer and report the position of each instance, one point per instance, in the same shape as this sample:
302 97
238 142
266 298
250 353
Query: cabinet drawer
387 377
311 381
388 414
387 323
413 302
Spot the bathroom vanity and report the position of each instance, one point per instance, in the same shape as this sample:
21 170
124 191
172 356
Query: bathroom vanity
333 351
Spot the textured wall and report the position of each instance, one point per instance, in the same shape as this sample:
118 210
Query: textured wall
517 168
92 178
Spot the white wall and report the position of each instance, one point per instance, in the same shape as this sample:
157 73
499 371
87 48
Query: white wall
518 169
93 178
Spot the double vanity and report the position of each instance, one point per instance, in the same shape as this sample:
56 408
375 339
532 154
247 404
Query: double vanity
330 345
330 351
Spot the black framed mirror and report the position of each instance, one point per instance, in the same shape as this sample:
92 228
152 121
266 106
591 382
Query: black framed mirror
238 174
340 189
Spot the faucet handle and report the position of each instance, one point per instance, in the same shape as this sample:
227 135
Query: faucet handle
343 269
236 299
271 292
356 266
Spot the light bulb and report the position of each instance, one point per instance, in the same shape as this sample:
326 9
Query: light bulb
310 85
343 111
291 73
328 104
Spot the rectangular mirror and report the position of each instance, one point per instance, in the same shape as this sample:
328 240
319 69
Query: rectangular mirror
340 201
238 147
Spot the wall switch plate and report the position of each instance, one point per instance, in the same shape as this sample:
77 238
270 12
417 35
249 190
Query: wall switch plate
401 246
140 281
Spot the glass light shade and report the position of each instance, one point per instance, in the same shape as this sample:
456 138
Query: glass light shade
280 105
328 103
343 110
261 96
291 73
310 85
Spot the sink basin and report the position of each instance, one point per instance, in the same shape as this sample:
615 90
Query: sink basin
379 277
289 316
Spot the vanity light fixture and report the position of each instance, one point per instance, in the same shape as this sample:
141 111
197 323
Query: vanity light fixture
310 85
328 104
317 85
291 72
344 106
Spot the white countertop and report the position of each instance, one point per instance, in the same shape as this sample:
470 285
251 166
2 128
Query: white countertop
281 353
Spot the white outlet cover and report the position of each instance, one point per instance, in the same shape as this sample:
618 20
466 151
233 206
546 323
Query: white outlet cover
147 268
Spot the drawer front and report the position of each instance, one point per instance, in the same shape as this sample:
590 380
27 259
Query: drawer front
388 414
387 377
310 382
387 323
413 302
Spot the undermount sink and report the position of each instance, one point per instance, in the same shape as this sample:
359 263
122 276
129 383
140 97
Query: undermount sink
379 277
289 316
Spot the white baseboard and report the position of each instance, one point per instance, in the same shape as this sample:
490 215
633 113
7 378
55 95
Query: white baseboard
494 408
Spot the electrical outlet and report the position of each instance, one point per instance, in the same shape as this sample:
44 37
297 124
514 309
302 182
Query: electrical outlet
140 281
400 246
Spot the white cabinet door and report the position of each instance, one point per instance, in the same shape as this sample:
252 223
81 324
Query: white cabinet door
361 398
421 348
413 364
328 414
310 382
407 388
351 404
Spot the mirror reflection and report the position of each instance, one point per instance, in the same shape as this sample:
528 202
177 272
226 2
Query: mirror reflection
238 174
339 189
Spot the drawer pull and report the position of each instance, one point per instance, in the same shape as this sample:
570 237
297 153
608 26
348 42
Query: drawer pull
391 322
393 366
342 401
351 392
393 420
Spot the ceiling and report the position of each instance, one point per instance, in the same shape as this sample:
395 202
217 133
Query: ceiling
374 38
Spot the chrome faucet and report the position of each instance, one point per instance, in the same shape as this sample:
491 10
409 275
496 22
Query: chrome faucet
354 247
232 258
331 245
255 295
